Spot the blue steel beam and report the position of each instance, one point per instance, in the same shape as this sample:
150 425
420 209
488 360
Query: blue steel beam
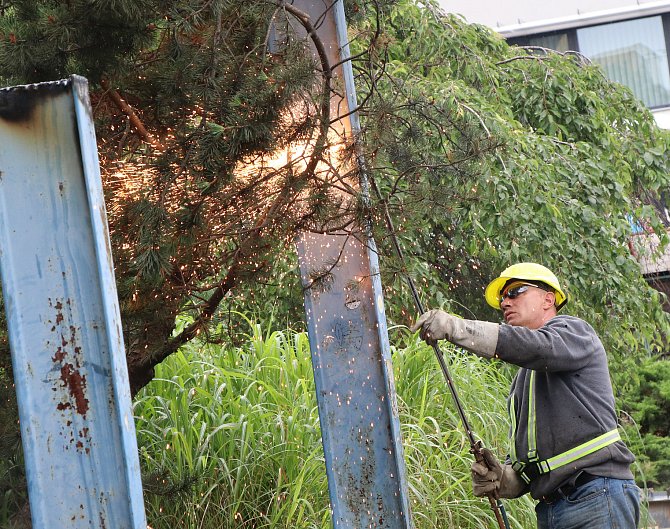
64 325
354 383
349 340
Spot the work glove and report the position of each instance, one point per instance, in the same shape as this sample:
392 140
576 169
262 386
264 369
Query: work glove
479 337
490 477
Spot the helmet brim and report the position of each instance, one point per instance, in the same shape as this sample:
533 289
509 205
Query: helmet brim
492 292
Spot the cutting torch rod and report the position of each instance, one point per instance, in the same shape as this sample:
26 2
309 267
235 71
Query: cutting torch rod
475 445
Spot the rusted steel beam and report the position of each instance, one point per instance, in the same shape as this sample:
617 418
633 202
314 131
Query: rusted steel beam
64 325
348 336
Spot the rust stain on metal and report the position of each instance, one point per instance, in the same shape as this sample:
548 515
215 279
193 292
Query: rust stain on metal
68 356
84 446
59 356
75 382
59 314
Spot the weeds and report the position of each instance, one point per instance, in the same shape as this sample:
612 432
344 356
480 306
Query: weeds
229 437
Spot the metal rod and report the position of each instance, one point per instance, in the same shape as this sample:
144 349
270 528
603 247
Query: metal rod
475 445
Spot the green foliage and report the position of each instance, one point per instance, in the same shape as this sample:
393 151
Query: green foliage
647 400
652 453
487 155
653 397
231 436
13 486
45 40
275 298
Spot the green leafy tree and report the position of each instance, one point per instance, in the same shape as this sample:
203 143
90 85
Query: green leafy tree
487 154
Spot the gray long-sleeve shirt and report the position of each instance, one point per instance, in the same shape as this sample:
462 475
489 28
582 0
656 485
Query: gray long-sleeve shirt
573 398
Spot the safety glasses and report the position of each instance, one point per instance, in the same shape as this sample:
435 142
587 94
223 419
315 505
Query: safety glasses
514 292
516 289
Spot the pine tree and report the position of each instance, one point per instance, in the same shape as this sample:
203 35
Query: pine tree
192 100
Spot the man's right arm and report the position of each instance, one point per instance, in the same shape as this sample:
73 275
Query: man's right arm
479 337
564 343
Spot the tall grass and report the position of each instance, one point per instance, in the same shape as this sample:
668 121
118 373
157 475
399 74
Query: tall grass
229 437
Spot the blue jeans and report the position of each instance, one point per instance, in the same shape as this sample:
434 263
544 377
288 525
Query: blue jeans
604 503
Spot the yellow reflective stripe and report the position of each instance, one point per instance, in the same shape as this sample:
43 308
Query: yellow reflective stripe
512 438
580 451
559 460
532 420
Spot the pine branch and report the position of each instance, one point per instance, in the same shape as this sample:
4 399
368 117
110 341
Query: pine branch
327 73
143 369
124 107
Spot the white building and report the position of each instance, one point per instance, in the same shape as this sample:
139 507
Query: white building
629 39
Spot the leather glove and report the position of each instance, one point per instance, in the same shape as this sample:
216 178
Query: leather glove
479 337
490 477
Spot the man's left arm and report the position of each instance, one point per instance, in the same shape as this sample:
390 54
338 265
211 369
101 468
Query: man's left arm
563 343
479 337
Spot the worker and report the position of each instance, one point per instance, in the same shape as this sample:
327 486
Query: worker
565 448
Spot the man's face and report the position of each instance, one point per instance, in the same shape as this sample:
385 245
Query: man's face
526 305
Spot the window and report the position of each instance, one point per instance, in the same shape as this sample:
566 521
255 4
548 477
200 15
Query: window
555 41
632 52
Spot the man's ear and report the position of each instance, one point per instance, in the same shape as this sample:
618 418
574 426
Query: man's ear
549 300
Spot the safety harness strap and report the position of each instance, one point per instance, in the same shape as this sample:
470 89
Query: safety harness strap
512 414
532 420
533 467
531 470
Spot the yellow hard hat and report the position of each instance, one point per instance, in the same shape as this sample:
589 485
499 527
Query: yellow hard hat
531 272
